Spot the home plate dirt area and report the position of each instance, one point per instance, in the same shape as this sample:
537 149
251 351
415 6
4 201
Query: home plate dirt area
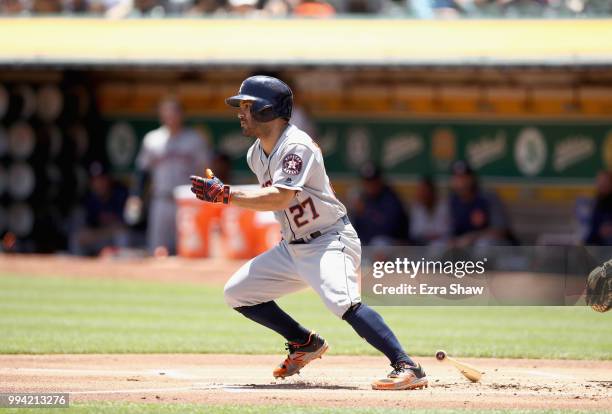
334 381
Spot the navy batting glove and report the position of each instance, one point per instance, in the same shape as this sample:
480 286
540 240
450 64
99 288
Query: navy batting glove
211 190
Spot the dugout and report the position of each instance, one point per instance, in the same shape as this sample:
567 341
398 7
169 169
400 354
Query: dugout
527 103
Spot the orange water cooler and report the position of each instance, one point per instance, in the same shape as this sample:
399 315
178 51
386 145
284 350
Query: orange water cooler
244 233
247 233
195 220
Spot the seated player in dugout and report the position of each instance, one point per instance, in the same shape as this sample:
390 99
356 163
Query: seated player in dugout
377 211
320 247
600 219
101 225
478 218
429 221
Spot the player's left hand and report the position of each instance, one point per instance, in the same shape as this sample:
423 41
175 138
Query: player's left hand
210 189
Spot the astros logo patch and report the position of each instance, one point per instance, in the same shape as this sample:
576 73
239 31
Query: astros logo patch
292 164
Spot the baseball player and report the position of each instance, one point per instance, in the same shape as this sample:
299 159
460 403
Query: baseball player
168 154
320 247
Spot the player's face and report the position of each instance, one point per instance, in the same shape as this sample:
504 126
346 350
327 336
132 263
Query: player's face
247 123
462 184
170 115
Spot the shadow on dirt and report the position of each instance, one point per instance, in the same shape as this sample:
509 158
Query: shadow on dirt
292 386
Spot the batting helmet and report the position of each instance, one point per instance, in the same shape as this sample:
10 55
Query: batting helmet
271 98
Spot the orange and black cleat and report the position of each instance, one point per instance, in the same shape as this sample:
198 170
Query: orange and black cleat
403 377
300 355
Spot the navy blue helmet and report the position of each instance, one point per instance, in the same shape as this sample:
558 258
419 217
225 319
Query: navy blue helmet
271 98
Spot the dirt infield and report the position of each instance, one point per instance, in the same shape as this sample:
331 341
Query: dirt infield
167 269
335 381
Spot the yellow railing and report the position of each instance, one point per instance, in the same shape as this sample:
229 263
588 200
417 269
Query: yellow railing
346 41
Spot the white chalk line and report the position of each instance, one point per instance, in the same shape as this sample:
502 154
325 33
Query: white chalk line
267 390
154 371
73 371
157 372
133 391
171 373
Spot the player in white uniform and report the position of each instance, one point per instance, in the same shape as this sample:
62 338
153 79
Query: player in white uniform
320 247
168 154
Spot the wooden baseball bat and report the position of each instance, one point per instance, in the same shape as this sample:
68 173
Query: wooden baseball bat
209 173
469 371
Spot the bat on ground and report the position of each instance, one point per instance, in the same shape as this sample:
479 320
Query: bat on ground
469 371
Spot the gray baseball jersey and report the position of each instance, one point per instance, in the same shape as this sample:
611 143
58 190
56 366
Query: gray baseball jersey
329 263
296 163
169 160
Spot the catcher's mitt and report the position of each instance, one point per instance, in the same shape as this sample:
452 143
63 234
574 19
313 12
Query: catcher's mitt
599 288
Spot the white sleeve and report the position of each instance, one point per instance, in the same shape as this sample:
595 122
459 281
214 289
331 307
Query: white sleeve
294 167
249 157
145 157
